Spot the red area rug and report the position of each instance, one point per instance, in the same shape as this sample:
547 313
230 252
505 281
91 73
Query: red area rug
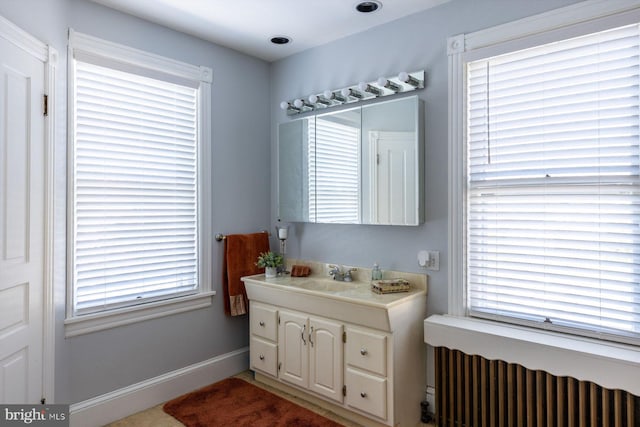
235 402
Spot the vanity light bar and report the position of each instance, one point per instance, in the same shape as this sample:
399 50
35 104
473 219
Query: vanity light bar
384 86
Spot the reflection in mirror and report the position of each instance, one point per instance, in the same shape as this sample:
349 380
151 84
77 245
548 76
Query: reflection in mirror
334 176
293 170
390 157
356 166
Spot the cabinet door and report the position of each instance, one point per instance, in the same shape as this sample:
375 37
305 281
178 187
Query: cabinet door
367 350
367 392
326 358
264 356
293 351
263 320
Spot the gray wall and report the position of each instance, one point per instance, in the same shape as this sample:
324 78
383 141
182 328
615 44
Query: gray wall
408 44
97 363
101 362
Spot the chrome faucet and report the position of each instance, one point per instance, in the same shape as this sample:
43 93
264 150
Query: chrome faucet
339 275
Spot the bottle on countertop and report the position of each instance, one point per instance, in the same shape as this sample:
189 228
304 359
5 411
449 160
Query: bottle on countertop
376 273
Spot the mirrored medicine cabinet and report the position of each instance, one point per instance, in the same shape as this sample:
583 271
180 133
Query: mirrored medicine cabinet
363 165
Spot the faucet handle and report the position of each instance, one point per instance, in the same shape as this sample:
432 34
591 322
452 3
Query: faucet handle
347 274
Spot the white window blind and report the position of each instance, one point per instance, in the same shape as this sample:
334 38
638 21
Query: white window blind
334 172
135 206
553 203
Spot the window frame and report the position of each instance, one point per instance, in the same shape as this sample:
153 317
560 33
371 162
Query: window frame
572 21
586 359
124 58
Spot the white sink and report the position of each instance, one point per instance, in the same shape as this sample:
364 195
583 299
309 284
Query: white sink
323 285
352 302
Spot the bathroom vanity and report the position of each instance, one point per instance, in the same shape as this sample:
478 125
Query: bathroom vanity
339 345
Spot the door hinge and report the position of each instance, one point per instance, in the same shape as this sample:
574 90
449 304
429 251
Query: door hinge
43 401
45 105
344 390
344 337
377 159
278 320
279 365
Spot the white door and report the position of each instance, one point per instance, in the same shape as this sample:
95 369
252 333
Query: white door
394 181
292 348
22 213
325 358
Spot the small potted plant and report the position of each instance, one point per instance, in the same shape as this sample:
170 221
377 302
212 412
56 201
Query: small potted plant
270 261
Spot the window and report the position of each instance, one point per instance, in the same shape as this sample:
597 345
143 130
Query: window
137 162
334 181
553 205
548 182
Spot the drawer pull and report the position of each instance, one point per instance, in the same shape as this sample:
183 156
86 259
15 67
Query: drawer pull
262 357
364 351
261 323
363 394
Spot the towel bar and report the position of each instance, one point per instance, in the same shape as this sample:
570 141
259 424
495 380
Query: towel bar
220 237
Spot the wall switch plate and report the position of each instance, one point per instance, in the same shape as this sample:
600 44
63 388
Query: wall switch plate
429 260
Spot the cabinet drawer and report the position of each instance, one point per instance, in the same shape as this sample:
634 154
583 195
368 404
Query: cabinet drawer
367 350
264 356
264 321
366 393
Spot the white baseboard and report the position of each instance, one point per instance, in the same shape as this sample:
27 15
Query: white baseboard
126 401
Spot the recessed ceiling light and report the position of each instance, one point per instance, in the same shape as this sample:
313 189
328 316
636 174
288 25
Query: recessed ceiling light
368 6
280 40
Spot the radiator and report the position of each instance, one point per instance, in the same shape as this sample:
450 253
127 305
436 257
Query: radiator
472 391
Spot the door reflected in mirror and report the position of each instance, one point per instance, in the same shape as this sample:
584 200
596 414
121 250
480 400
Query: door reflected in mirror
358 166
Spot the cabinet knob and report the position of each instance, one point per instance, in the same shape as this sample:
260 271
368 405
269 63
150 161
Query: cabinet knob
363 394
261 323
364 351
262 357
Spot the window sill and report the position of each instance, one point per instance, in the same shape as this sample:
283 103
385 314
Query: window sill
87 324
611 365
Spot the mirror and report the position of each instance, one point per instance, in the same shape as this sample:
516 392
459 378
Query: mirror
357 166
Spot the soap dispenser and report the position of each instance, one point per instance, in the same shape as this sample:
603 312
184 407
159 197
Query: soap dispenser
376 273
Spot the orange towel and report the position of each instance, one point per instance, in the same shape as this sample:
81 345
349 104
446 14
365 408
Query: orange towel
241 252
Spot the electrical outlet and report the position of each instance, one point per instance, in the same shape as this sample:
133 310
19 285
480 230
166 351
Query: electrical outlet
429 260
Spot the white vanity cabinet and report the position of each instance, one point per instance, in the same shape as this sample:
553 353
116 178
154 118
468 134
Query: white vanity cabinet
355 353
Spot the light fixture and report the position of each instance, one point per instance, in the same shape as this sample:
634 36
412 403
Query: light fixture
368 6
288 107
301 103
347 92
405 77
388 84
384 86
366 87
328 94
315 99
280 40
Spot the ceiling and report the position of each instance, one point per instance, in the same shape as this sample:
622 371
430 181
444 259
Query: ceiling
248 25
